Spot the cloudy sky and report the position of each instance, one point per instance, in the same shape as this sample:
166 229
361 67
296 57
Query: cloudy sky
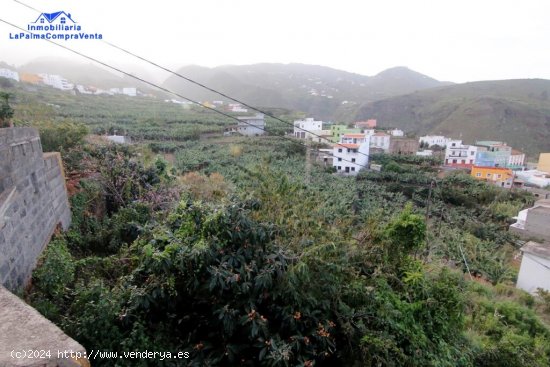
449 40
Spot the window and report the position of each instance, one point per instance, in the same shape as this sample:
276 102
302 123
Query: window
349 150
41 20
339 168
499 176
353 160
454 160
339 159
463 161
62 20
355 151
353 169
339 150
488 175
472 153
478 174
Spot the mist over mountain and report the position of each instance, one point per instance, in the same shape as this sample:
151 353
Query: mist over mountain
315 90
88 73
515 111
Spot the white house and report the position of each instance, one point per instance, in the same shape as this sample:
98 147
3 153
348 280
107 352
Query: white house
9 74
307 128
380 141
425 153
349 158
118 139
458 154
82 89
103 91
396 132
432 140
516 158
56 81
533 223
353 138
534 177
534 271
129 91
251 125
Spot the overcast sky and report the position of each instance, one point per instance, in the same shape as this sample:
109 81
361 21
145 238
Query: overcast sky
457 41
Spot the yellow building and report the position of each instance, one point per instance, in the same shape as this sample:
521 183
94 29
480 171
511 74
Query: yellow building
544 162
498 176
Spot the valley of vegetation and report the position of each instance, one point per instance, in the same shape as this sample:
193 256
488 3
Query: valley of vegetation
229 249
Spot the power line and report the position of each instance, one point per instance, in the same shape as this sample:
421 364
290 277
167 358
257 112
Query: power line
206 87
167 90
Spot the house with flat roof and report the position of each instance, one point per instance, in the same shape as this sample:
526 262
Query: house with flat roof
431 140
9 74
544 162
310 129
534 222
498 176
534 272
461 155
251 125
380 141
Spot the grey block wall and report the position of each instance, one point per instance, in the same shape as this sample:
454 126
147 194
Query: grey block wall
538 222
33 202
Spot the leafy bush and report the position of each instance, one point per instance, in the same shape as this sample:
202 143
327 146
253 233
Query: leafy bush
56 271
60 135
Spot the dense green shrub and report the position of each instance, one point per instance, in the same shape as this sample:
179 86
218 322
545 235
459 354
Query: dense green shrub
56 271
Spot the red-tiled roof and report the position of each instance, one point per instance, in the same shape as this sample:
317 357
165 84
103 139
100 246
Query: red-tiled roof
380 134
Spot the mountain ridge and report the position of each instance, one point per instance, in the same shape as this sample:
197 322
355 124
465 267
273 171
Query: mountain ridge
314 89
516 111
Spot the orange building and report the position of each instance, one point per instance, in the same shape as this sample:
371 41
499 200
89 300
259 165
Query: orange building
30 78
498 176
544 162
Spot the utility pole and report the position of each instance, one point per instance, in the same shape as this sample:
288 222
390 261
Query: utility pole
308 162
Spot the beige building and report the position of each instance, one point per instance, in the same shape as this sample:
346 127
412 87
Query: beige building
544 162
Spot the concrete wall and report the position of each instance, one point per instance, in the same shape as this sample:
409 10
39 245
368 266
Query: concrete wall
534 273
29 340
538 222
33 201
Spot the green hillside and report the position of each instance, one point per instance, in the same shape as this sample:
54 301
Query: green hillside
316 90
515 111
